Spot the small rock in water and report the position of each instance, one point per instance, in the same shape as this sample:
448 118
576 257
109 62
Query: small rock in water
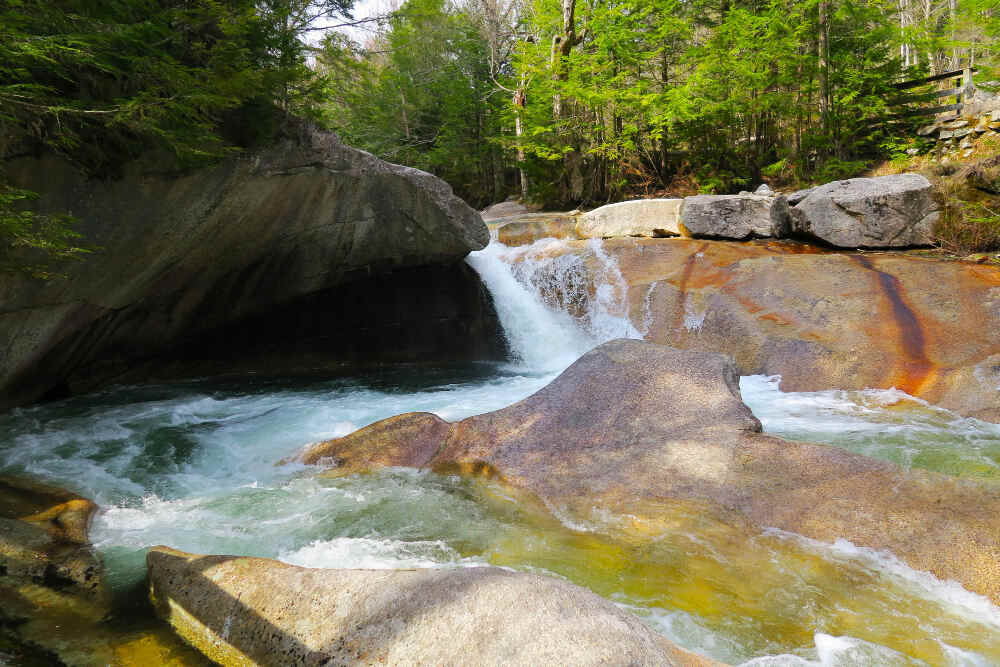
765 190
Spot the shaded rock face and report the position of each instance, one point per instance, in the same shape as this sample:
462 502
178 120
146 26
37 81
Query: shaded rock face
257 611
737 217
437 313
886 212
190 254
821 320
677 431
653 218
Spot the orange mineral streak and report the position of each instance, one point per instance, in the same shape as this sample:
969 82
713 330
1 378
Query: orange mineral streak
898 322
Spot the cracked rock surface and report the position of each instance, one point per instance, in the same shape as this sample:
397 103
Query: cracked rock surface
887 212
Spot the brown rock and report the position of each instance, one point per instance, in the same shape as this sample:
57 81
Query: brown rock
528 228
46 562
504 209
820 319
243 611
633 426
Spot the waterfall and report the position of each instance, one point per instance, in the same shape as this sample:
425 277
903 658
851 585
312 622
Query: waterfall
554 305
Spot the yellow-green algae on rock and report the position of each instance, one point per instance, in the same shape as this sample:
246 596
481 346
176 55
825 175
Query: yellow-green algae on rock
640 430
56 604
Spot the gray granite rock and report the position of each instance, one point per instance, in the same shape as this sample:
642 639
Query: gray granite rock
736 217
887 212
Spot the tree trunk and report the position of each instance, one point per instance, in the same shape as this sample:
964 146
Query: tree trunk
402 111
824 65
519 131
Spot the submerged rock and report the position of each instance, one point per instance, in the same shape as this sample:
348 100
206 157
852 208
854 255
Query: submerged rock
50 576
653 218
887 212
258 611
678 431
184 256
737 217
44 541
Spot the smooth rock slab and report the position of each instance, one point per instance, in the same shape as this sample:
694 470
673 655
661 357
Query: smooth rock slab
255 611
736 217
652 218
632 426
887 212
820 319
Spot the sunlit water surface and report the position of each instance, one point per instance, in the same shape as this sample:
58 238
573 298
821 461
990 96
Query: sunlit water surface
194 466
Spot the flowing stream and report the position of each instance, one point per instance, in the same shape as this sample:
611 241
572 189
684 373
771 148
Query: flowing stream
194 466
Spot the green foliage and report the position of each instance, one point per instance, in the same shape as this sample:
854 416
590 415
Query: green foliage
731 88
31 241
101 81
423 98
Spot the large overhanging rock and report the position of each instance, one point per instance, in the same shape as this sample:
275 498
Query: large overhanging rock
633 426
886 212
654 218
184 254
737 217
241 611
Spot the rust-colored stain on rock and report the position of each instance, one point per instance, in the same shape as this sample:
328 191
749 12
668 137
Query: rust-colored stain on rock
913 369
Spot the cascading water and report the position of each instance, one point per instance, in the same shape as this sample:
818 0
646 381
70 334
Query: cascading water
193 466
551 310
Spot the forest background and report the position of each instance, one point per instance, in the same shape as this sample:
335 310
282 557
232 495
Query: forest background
564 102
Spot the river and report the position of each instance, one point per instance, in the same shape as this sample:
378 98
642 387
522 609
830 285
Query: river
194 465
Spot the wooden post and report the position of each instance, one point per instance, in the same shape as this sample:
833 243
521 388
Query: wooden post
967 87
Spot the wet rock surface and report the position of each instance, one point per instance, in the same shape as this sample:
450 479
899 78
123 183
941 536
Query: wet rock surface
258 611
529 227
44 543
820 319
677 431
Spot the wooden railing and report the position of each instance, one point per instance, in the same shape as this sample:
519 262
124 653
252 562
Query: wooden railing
963 89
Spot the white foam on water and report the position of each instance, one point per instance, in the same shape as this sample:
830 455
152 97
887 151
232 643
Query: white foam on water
541 338
838 652
552 308
607 314
377 554
689 631
882 423
949 594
